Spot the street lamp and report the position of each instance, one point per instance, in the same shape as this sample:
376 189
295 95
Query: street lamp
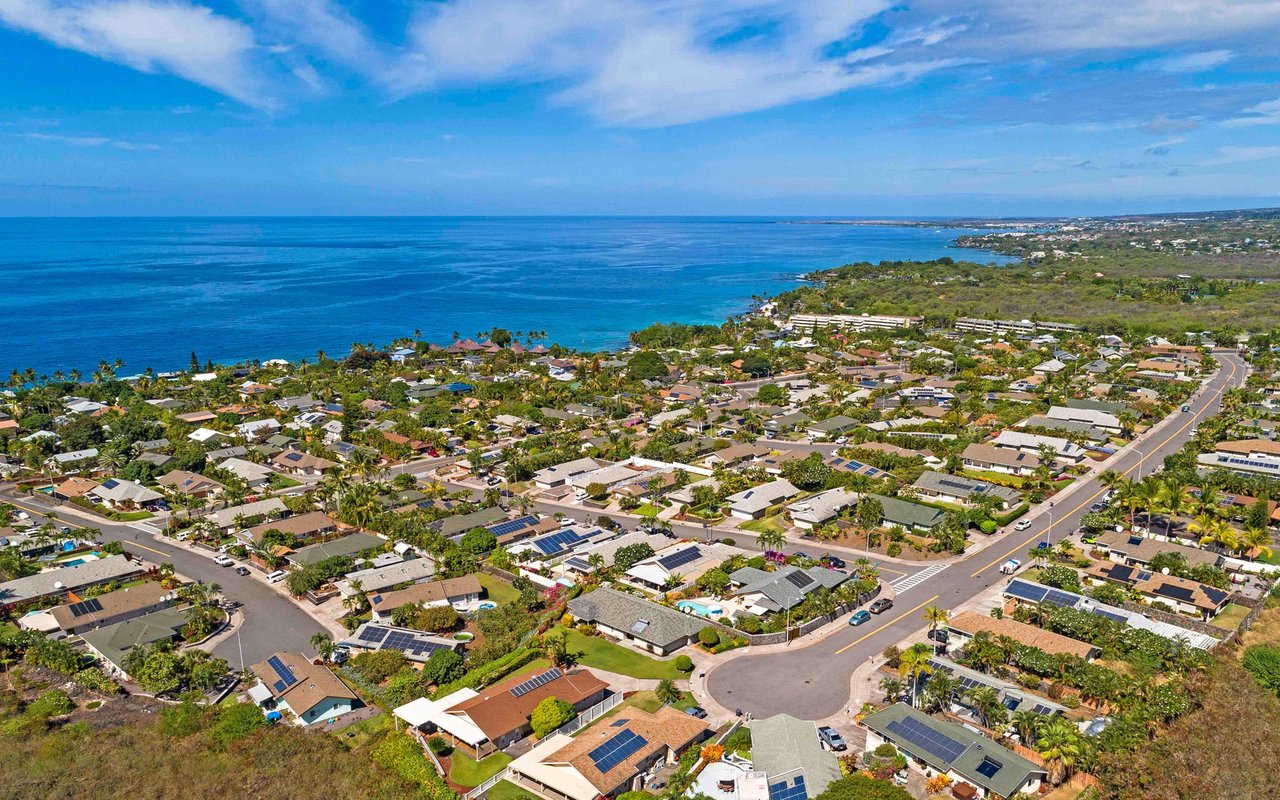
1049 529
1144 458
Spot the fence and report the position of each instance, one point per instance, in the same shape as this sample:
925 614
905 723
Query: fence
487 785
590 715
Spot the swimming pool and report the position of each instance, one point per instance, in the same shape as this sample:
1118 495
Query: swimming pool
485 605
701 609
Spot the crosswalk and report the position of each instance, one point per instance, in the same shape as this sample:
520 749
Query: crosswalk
903 584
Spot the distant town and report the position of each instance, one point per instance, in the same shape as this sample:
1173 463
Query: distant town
820 550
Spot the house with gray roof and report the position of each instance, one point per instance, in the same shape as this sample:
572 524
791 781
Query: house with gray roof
786 587
908 515
635 620
57 582
819 508
754 502
832 426
113 642
963 754
789 752
346 546
461 523
961 490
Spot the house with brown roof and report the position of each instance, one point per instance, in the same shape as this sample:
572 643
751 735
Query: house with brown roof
107 609
296 462
609 758
990 458
496 717
302 526
192 484
964 625
1183 594
309 692
451 591
75 486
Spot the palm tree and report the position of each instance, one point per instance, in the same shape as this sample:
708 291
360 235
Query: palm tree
1027 722
936 616
1148 491
913 663
940 690
892 688
1175 498
324 645
1061 745
986 702
771 540
1255 540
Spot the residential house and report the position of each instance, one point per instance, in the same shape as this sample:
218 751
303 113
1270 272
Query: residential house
1133 549
111 643
990 458
964 625
254 475
783 589
309 692
908 515
790 753
123 495
1244 457
962 491
66 580
225 518
75 486
496 717
678 565
832 426
557 475
609 759
345 546
1066 451
78 616
737 454
296 462
819 508
377 579
964 755
634 620
1103 420
302 526
191 484
754 502
457 592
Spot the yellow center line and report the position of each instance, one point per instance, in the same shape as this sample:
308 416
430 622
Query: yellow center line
1151 449
869 634
152 549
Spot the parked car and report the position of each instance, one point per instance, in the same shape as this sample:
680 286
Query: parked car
1097 506
1022 525
697 712
940 635
277 576
880 606
900 778
1009 567
223 561
802 554
182 537
859 617
831 739
832 561
1185 409
242 570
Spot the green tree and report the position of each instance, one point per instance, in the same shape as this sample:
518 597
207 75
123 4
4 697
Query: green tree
478 541
549 715
863 787
667 691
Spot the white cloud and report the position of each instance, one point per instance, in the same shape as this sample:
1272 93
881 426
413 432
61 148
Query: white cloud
151 36
1242 155
1265 113
91 141
1192 62
661 62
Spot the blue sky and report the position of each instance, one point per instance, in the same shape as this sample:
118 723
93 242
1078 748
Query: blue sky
831 107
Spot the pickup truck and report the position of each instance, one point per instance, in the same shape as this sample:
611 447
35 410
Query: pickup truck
223 561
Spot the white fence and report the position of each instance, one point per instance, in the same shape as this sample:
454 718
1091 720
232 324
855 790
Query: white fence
591 714
487 785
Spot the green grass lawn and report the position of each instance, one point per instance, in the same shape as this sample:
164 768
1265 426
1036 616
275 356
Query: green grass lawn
133 516
358 734
765 525
998 478
646 510
506 790
496 589
603 654
1231 617
466 771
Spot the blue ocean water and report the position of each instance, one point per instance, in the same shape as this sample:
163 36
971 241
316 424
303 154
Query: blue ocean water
150 291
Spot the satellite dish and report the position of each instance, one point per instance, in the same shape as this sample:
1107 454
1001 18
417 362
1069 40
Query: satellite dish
1164 571
57 585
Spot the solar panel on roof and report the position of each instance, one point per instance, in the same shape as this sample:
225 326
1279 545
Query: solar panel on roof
1062 599
1026 591
800 579
916 733
86 607
1110 615
535 682
373 633
1041 708
283 671
110 483
795 790
616 750
686 556
512 525
279 686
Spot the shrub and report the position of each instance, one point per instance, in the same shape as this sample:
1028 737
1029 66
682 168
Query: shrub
684 663
1263 663
892 656
54 703
378 665
181 720
748 623
895 549
439 746
709 636
235 723
95 679
988 526
550 714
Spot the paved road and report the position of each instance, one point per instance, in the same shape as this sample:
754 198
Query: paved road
812 682
272 622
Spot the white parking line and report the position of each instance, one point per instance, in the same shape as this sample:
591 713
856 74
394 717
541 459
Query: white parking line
903 584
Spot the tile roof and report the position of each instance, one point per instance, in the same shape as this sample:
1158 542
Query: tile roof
970 622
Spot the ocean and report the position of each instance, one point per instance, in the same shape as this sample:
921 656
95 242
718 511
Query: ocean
150 291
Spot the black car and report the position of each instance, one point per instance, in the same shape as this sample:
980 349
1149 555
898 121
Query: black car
880 606
940 636
1098 506
697 712
832 561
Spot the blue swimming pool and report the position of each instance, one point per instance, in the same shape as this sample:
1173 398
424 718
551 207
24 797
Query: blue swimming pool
701 609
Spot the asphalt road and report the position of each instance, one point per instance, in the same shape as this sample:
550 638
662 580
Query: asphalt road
272 622
813 681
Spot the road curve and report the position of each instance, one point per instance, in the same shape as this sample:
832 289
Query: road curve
812 681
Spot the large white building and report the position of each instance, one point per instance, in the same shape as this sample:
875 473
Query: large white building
856 322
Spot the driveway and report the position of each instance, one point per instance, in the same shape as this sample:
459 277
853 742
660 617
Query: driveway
813 681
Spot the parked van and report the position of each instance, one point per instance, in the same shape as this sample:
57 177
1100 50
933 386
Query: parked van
277 576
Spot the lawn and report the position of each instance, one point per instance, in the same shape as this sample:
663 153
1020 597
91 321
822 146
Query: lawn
648 509
358 734
1231 617
536 665
133 516
998 478
603 654
496 589
506 790
765 525
466 771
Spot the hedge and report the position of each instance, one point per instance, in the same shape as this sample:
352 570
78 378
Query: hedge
1012 515
403 756
494 671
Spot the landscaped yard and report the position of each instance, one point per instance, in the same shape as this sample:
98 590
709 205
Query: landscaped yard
133 516
603 654
1231 617
358 734
466 771
765 525
506 790
496 589
998 478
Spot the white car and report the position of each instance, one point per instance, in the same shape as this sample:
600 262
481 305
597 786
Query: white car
223 561
1022 525
1009 567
